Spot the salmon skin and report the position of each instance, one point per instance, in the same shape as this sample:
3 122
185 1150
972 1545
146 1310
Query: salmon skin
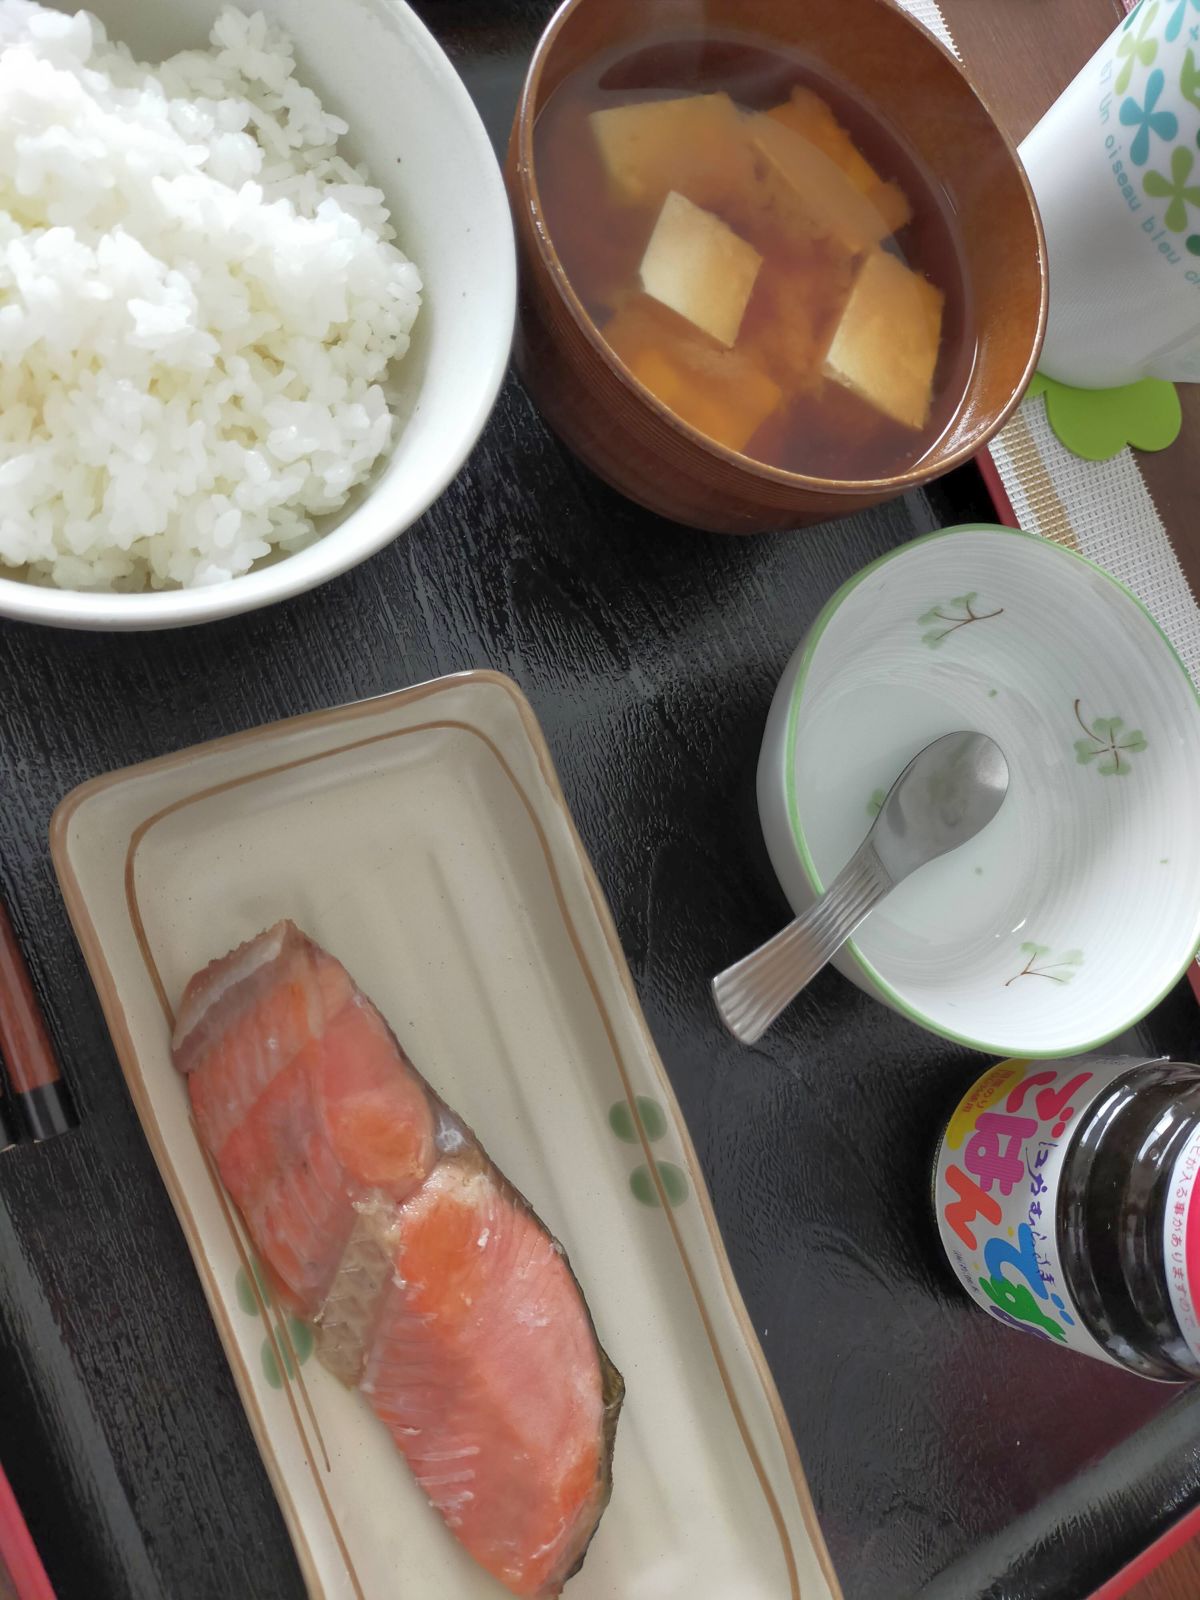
432 1286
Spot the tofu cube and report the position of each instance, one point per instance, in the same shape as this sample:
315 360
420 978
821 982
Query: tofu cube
696 144
810 194
700 268
885 347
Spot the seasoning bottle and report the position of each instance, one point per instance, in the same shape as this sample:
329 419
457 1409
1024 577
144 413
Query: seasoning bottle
1068 1201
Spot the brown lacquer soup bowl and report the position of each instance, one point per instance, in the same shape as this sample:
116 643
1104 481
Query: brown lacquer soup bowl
919 93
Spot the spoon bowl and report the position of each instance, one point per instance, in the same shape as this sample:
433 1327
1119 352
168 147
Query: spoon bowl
946 795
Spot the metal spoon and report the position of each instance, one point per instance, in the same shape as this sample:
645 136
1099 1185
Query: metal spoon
942 798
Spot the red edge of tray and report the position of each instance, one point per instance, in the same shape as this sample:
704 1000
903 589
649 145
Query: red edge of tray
18 1553
1188 1527
996 490
1165 1546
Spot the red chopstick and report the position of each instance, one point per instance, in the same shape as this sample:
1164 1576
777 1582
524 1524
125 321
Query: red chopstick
19 1560
42 1099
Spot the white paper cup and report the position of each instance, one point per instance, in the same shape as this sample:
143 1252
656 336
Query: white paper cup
1115 167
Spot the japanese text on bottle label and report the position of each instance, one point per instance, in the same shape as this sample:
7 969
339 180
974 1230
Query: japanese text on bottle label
996 1191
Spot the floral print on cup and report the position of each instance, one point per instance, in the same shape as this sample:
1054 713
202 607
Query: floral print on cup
1176 189
1171 177
1147 119
1178 15
1135 48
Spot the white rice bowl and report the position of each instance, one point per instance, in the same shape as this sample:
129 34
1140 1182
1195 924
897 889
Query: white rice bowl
200 306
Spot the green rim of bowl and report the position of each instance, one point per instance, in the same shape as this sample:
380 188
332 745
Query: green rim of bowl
869 971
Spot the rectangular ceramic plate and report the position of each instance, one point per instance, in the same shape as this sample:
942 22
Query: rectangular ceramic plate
424 840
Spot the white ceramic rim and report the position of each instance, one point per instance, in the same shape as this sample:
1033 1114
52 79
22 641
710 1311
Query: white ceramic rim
328 557
869 971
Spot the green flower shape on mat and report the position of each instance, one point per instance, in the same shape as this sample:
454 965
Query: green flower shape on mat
1144 116
1110 742
1098 423
1135 47
1176 188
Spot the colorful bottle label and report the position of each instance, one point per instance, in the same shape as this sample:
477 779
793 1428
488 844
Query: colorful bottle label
1181 1242
996 1188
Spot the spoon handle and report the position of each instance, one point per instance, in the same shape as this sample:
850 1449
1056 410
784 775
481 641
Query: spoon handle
752 993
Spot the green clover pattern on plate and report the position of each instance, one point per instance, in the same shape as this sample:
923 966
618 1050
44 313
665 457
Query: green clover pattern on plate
654 1125
293 1341
1109 743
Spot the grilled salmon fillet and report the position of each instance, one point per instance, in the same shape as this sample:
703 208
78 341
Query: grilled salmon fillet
432 1286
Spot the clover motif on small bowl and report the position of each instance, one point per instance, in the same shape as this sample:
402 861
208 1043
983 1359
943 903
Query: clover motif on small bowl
1109 743
946 617
1041 962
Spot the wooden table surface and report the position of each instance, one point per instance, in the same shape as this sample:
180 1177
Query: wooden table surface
1177 1579
949 1457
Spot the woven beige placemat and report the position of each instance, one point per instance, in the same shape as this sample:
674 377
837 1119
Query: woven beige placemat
1101 508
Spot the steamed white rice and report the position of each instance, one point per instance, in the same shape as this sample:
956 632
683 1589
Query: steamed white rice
199 301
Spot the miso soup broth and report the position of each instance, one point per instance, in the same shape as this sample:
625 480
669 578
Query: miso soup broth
761 251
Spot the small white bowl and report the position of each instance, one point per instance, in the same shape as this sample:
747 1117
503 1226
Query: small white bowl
414 124
1078 908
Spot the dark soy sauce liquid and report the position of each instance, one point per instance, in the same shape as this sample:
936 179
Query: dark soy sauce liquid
829 434
1112 1212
